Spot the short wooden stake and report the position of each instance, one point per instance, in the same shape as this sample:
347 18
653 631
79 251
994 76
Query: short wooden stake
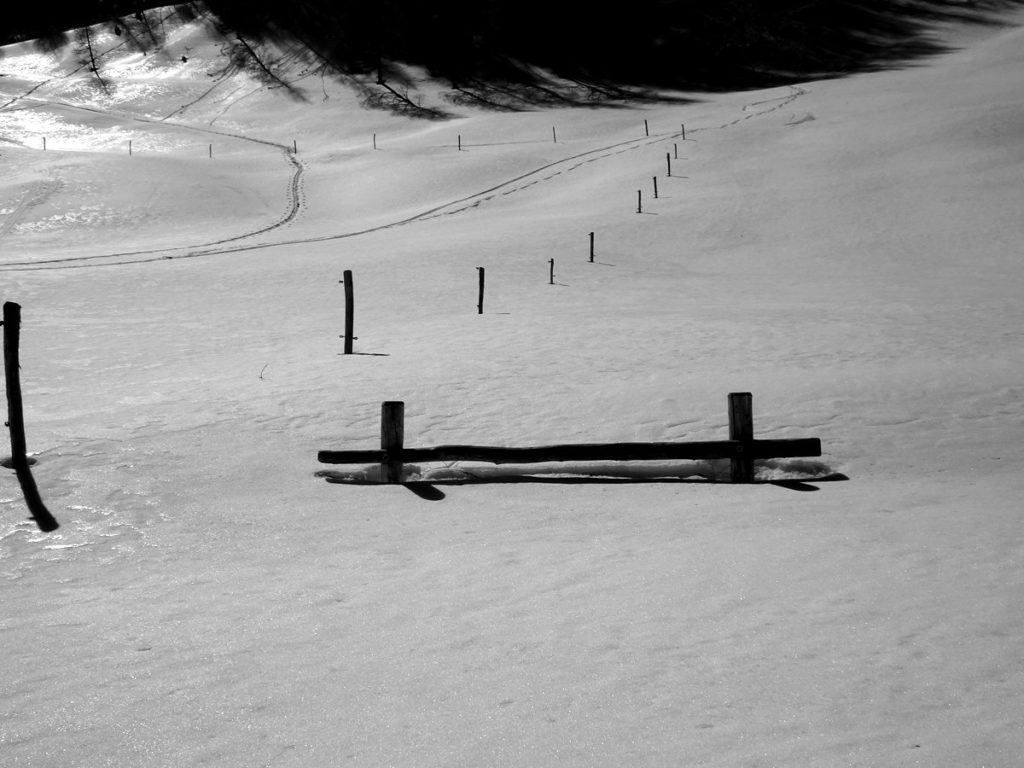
480 297
554 135
16 420
682 126
349 309
741 427
460 142
647 131
551 274
675 151
392 441
591 247
639 201
668 163
655 179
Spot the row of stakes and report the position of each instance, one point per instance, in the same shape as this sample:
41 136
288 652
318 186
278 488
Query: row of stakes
295 146
554 138
481 271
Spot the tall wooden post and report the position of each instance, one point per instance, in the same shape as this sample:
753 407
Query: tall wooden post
350 310
16 420
480 296
392 441
741 427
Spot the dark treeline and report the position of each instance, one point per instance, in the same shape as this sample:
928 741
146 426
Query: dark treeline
674 43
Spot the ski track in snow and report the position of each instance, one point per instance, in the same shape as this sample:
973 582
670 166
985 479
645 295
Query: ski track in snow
474 200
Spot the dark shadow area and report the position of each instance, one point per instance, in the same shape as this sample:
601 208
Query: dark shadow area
517 54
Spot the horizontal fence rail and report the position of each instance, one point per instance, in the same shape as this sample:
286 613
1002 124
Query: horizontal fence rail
741 449
712 449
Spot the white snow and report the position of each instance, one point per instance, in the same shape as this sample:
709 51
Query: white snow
847 250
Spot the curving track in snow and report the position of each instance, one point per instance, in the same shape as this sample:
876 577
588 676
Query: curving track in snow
474 200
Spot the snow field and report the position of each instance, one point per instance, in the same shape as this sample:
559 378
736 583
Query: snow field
210 601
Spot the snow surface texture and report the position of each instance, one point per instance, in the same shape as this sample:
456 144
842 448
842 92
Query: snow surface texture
849 251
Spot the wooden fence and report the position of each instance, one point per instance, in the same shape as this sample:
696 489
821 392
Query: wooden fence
16 420
741 448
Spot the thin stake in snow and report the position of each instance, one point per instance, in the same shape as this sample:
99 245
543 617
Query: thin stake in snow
554 135
129 147
460 142
591 247
639 201
675 151
668 162
44 143
375 141
211 150
295 147
682 131
655 179
349 310
551 274
16 420
647 131
480 295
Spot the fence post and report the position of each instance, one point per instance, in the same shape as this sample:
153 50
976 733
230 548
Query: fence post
741 427
16 420
350 310
480 296
392 441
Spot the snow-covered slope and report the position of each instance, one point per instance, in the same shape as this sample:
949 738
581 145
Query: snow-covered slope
847 250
